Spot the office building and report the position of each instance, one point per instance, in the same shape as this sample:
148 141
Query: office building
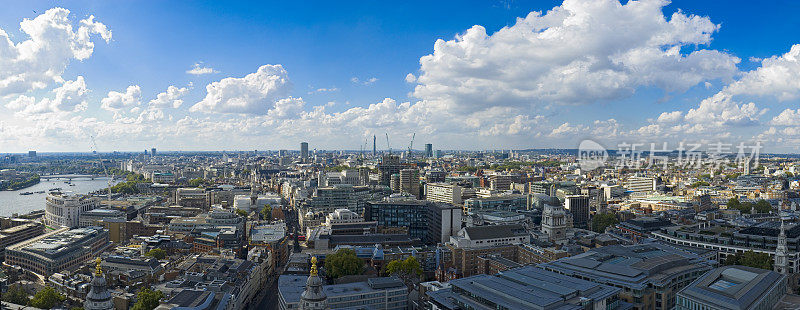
525 288
94 217
443 192
409 182
31 154
374 293
340 196
304 151
512 202
192 197
428 221
501 181
639 184
578 206
153 152
650 274
15 231
388 166
428 150
62 249
733 288
64 209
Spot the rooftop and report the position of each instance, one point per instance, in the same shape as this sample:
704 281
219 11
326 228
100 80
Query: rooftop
733 287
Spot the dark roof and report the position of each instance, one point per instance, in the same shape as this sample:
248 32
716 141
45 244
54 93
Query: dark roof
190 298
495 231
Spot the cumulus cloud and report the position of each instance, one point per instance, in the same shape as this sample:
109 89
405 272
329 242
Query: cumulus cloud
579 52
256 93
70 96
721 110
199 69
171 97
670 117
788 117
778 76
39 61
116 101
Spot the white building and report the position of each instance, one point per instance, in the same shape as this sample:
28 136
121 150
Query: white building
639 184
444 192
64 209
245 202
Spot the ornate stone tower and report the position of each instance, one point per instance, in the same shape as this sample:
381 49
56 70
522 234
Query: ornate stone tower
554 223
98 298
781 264
313 298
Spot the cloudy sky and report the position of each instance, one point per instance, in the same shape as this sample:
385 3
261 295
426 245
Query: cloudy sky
461 75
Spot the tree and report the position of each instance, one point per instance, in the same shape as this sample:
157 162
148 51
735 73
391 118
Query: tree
197 182
241 212
343 263
266 212
408 270
16 295
147 299
603 220
157 254
762 206
46 298
750 259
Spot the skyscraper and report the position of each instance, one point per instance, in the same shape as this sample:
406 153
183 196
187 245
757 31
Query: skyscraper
428 150
153 152
578 206
304 150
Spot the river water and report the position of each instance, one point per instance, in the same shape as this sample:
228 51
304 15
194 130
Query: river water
12 202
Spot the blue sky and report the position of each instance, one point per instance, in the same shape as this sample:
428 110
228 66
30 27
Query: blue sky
323 47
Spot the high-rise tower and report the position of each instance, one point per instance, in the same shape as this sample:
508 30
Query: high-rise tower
303 150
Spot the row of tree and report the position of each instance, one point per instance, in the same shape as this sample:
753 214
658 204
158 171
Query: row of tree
761 206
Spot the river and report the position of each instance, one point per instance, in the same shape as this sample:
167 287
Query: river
12 202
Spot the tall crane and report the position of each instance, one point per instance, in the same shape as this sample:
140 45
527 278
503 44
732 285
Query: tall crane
411 145
387 144
94 144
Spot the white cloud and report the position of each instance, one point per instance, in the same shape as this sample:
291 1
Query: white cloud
410 78
38 62
788 117
670 117
171 97
256 93
579 52
70 96
720 110
199 69
368 81
324 90
778 76
116 101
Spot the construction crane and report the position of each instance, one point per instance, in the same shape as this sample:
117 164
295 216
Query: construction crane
94 144
387 144
411 145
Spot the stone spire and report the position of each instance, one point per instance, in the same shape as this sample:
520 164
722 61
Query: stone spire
313 298
781 252
98 298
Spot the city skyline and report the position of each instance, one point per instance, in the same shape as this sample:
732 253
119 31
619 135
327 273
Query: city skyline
489 75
